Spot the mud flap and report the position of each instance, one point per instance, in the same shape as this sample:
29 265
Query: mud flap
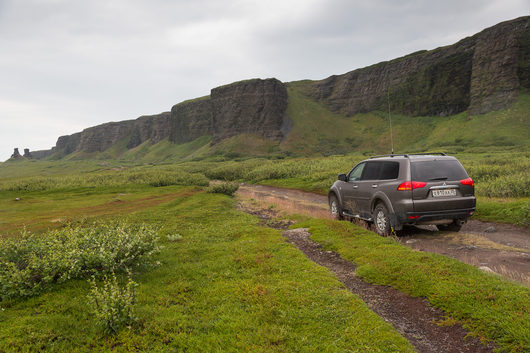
394 223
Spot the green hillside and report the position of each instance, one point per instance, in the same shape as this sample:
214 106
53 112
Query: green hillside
318 131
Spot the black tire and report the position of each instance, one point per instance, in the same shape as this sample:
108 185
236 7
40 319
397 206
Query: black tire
334 208
451 227
381 220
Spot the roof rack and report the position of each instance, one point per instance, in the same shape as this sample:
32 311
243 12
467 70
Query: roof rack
406 155
391 155
427 153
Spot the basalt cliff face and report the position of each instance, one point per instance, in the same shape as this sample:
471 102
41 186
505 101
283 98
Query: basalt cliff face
99 138
478 74
481 73
254 106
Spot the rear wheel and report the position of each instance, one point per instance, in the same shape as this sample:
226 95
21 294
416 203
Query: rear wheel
451 227
381 220
334 208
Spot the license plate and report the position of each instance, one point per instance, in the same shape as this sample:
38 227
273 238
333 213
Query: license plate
444 192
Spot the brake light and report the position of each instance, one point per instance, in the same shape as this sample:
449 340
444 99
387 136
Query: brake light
467 181
411 185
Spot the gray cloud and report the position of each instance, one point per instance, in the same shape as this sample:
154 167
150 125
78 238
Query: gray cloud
67 65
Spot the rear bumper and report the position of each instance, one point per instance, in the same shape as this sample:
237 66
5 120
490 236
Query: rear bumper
435 216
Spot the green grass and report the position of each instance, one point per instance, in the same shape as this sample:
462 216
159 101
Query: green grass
317 130
516 211
501 176
227 285
485 304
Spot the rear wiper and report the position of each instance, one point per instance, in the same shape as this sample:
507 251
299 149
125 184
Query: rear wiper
439 178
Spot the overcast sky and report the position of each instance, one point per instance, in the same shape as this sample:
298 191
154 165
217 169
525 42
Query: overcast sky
66 65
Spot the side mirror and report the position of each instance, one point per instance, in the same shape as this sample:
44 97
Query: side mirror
342 177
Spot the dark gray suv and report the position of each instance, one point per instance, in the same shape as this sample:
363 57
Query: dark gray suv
399 189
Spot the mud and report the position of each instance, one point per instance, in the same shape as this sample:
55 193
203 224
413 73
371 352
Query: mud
493 247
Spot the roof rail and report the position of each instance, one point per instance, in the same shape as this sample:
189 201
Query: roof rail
406 155
427 153
390 155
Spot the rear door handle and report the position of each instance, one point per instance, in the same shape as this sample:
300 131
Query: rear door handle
374 185
355 186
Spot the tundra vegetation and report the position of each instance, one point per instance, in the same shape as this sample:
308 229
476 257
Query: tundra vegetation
186 270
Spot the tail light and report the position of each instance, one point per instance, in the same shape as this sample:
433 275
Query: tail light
411 185
467 181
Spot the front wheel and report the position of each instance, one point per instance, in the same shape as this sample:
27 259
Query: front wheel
381 220
334 208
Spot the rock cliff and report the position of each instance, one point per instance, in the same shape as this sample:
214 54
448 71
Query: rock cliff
480 74
253 107
190 120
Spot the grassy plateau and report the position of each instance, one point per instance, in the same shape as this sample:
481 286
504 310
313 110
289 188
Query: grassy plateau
222 282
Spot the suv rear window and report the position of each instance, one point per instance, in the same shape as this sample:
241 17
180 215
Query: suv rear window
380 171
437 170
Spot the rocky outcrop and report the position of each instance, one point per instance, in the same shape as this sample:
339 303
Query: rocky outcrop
27 153
131 133
16 154
254 106
495 81
67 144
152 128
249 107
480 73
190 120
41 154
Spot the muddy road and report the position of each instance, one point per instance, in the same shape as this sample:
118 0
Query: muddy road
493 247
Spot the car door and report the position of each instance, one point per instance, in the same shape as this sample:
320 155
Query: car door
366 187
350 189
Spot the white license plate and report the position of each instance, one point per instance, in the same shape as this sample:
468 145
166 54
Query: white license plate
444 192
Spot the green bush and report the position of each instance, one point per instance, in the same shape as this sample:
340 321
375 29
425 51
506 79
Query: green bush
30 263
113 304
513 185
147 176
223 188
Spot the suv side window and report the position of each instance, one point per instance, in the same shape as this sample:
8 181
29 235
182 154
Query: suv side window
389 170
356 173
371 172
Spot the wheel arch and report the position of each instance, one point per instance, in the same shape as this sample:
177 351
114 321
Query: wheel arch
334 192
382 198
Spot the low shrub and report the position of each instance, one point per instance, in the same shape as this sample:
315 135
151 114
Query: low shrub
113 303
223 188
154 177
30 263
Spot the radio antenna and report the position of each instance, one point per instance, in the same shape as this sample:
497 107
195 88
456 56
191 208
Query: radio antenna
389 118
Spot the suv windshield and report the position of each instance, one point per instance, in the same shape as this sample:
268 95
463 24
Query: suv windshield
437 170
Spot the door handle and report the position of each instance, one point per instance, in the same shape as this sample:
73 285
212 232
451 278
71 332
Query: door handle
374 185
355 186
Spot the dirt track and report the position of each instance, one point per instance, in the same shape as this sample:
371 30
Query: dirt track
414 318
493 247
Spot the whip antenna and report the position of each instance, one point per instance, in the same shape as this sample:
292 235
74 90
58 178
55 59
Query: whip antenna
389 118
